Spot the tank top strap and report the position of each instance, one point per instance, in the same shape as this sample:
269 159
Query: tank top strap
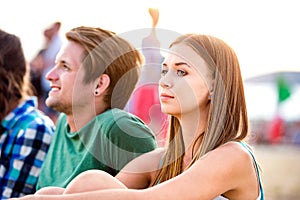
261 195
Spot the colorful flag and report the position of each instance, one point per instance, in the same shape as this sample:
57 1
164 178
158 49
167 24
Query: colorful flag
284 89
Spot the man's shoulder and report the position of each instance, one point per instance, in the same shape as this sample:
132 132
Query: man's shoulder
123 121
116 115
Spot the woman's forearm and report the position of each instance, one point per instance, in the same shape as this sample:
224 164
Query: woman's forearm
109 194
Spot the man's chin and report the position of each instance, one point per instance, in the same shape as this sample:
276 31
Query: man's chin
52 104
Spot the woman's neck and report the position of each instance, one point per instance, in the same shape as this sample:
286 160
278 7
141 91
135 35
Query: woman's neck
193 126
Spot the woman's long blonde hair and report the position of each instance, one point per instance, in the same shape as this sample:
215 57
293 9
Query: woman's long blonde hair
227 120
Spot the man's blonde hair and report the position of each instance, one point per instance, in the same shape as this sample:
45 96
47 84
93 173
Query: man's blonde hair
105 52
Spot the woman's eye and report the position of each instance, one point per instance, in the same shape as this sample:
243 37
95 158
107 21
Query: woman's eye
181 72
163 72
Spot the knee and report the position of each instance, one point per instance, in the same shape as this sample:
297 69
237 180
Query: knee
98 177
50 191
92 180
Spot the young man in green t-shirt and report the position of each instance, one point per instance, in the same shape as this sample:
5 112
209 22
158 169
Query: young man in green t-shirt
91 82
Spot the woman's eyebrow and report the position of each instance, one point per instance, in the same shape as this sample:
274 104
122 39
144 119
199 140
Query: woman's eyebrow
182 63
177 64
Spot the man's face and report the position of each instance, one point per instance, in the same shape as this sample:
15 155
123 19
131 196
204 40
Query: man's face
68 92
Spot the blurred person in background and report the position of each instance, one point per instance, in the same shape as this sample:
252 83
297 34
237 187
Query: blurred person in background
145 99
42 63
25 132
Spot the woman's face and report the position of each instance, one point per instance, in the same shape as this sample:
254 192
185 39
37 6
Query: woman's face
184 86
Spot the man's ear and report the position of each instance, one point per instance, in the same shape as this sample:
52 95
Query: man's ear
102 84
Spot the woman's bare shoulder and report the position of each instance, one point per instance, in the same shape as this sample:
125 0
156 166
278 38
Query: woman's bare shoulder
227 158
230 149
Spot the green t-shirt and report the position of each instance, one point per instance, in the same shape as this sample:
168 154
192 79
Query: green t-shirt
108 142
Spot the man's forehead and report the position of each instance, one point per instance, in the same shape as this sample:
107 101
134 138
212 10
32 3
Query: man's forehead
70 53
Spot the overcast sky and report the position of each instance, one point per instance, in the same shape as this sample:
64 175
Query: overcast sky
264 33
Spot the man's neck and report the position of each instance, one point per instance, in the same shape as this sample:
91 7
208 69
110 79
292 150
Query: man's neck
78 119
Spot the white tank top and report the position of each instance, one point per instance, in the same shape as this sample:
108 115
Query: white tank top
261 191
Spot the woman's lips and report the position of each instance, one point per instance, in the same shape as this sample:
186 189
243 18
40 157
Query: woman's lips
166 97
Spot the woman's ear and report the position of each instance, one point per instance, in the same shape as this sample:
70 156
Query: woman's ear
102 84
211 89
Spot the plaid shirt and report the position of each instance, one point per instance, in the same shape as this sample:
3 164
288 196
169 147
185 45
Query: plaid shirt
24 142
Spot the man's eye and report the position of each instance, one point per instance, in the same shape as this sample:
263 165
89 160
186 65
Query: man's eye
181 72
163 72
65 67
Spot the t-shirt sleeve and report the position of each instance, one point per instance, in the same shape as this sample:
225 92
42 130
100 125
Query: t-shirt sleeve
129 138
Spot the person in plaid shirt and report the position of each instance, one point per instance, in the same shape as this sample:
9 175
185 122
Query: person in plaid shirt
25 132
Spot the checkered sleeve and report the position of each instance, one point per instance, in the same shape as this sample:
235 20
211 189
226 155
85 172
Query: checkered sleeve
28 153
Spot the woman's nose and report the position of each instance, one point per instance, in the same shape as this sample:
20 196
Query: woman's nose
165 82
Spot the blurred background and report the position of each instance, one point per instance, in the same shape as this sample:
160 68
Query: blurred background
263 33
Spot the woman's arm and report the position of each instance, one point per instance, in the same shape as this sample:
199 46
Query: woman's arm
139 173
227 170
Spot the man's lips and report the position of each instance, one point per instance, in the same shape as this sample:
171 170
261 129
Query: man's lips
54 88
